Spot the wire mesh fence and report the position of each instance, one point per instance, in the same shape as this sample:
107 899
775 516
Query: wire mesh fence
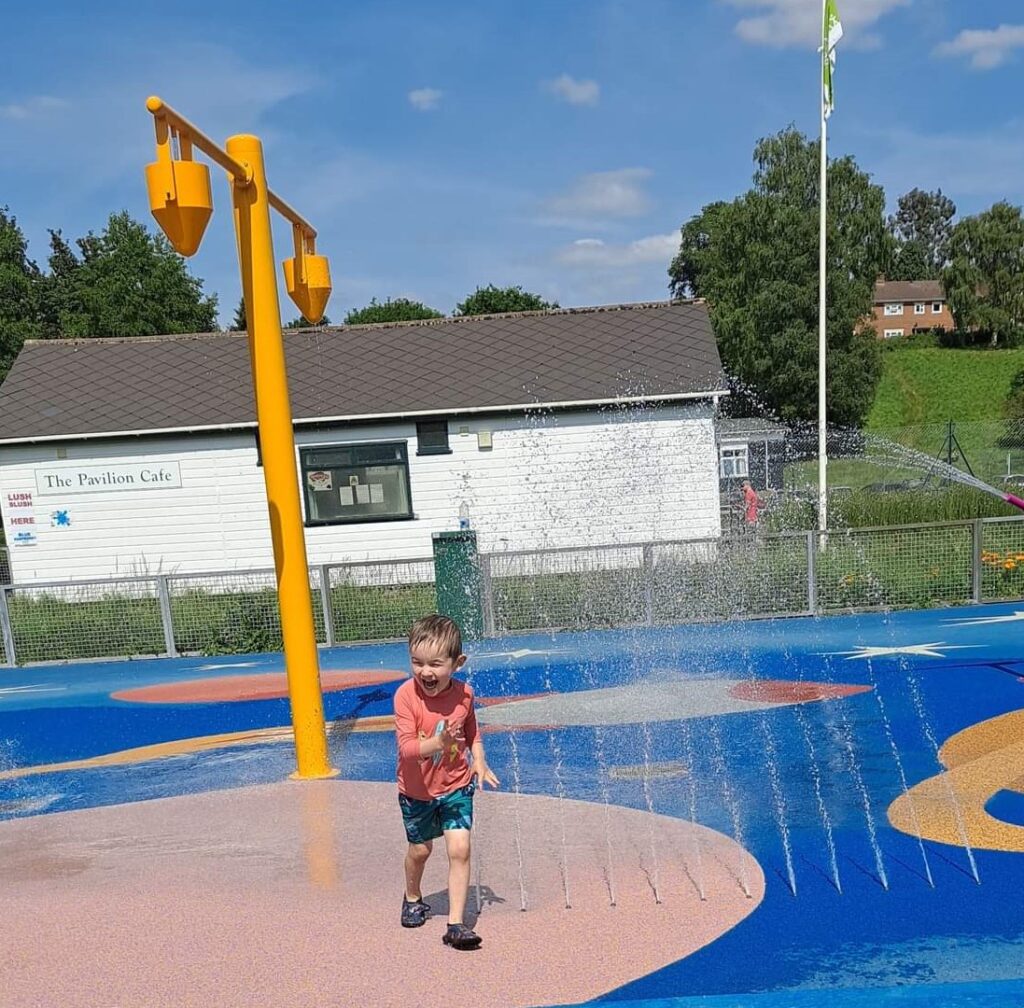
379 600
616 586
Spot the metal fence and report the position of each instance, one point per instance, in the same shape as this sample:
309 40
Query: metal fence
643 584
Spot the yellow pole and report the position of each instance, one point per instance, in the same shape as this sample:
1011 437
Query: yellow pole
273 412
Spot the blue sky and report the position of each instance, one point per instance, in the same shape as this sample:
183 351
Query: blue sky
438 146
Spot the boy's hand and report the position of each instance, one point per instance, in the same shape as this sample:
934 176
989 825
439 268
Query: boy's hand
485 775
450 735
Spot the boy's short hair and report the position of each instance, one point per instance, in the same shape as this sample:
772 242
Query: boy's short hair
437 629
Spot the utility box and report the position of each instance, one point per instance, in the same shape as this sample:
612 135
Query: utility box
457 580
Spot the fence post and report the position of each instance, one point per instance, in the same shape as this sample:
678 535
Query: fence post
977 529
487 595
6 630
163 590
812 574
648 575
326 604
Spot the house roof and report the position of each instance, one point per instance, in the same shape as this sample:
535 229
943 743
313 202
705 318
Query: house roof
754 427
59 389
887 291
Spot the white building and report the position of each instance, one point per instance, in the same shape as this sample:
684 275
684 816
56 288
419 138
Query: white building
560 428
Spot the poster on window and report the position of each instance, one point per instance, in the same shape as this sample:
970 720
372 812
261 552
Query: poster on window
319 479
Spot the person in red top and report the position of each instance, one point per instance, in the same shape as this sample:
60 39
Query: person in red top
436 727
752 504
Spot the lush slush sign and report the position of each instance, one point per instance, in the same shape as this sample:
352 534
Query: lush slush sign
65 480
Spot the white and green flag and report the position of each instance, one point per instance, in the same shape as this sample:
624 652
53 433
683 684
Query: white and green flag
831 33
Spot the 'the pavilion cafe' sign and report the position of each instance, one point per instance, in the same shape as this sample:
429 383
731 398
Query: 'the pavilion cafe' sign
64 480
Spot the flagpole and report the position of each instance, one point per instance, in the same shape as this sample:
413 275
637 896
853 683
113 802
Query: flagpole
822 249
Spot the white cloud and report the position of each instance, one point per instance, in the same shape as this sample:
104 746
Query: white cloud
987 48
32 107
425 99
787 23
593 253
601 195
575 92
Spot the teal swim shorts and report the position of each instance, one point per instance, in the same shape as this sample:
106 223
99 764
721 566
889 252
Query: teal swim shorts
427 820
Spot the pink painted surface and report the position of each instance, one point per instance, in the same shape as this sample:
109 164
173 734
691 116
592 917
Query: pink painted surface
1015 501
256 686
786 691
288 894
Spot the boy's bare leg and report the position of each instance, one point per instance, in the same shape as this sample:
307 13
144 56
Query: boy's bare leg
457 844
415 861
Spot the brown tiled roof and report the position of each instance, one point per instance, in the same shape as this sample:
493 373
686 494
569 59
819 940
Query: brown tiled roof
905 291
67 388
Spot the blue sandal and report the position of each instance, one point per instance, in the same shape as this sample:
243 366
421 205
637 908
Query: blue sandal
461 937
414 914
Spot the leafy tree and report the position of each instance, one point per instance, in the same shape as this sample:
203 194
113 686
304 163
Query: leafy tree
491 300
19 292
921 229
303 323
1014 406
124 282
985 278
397 310
755 260
910 262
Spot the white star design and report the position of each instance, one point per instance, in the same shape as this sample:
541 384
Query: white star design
1011 618
521 653
930 650
220 665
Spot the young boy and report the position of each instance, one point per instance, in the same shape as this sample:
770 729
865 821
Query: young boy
435 724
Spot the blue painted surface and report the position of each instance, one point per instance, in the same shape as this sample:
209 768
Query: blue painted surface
894 941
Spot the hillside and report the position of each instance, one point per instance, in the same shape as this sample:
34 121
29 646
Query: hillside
932 385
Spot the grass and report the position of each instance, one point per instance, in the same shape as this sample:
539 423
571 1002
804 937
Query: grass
933 385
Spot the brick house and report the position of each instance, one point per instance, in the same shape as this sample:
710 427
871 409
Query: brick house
902 307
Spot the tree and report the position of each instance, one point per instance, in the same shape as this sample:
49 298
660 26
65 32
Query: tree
985 278
491 300
20 287
921 229
1014 405
303 323
755 260
238 323
398 310
124 282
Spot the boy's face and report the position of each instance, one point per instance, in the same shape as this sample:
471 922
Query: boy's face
433 667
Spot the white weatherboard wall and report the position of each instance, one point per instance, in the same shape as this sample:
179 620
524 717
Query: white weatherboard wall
137 506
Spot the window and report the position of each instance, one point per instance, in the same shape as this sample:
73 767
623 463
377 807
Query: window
732 462
919 309
356 483
894 309
893 333
432 438
936 307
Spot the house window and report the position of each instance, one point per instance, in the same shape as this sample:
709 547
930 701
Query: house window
356 483
432 438
936 307
919 309
732 462
893 333
894 309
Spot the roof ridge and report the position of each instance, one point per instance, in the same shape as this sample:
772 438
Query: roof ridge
406 324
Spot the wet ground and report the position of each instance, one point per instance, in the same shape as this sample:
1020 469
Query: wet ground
820 810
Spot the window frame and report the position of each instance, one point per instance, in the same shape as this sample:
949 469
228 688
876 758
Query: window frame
936 307
919 307
892 334
736 453
304 468
893 308
422 449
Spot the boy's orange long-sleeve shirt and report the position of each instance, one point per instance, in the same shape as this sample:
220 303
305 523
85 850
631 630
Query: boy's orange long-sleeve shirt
419 717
